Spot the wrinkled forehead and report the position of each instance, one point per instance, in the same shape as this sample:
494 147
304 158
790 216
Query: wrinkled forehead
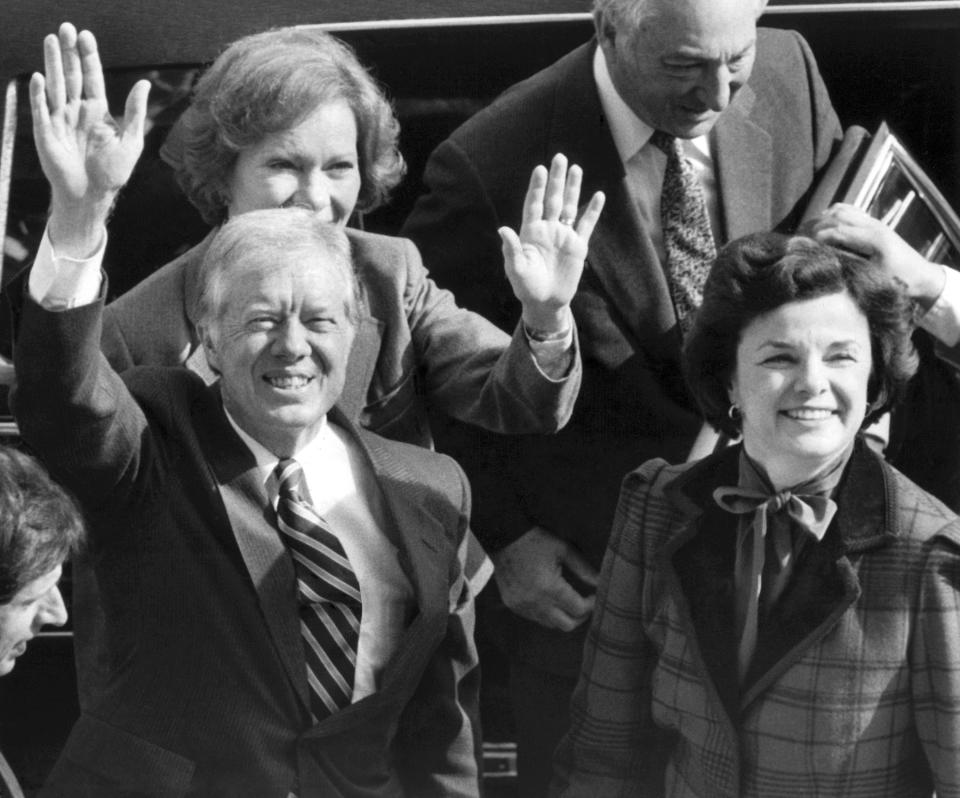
287 280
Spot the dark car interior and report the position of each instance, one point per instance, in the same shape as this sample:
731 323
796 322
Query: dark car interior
882 61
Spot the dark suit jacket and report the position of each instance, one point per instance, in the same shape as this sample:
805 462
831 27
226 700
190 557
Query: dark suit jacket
207 692
414 350
768 147
855 689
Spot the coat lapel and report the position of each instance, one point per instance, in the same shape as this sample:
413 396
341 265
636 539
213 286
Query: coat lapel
743 154
619 245
424 551
700 560
824 584
250 517
424 555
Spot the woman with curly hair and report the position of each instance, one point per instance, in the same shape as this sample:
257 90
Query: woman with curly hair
780 618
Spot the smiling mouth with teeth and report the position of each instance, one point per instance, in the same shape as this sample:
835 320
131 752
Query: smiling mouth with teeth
808 414
297 381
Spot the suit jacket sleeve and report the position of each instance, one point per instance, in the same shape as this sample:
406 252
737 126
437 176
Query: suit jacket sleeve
613 747
439 747
72 408
457 210
472 372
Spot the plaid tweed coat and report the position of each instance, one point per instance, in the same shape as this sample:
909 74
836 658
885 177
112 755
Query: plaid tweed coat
855 688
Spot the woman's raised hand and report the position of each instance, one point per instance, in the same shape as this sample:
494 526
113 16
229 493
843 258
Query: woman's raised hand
545 261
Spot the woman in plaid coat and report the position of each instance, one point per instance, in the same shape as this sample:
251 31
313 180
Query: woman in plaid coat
783 617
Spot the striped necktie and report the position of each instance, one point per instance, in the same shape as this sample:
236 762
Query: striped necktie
328 592
687 238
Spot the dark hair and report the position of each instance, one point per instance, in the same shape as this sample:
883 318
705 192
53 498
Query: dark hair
40 525
269 83
757 274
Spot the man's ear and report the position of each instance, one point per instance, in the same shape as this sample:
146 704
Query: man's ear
605 29
208 341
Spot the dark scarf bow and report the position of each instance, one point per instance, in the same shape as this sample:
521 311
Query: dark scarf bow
806 507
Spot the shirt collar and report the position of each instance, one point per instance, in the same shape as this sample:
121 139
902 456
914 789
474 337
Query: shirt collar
630 133
267 460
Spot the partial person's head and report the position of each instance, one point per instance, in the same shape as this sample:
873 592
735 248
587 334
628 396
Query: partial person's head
40 527
678 63
288 117
797 346
277 312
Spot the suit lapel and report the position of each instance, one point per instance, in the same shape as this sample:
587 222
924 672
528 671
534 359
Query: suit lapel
423 549
424 555
250 518
743 155
619 246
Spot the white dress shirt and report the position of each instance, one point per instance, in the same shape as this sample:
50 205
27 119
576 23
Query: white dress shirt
341 487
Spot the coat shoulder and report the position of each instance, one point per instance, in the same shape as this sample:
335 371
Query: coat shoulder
422 470
160 293
377 257
919 515
521 116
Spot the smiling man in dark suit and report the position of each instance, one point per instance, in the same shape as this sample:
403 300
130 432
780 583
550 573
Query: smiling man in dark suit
284 596
699 127
285 600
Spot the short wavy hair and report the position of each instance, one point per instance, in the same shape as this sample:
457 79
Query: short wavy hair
40 524
256 237
268 83
757 274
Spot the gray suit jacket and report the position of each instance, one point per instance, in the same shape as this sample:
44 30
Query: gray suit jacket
768 146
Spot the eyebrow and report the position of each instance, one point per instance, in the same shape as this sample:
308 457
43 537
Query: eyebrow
777 344
689 54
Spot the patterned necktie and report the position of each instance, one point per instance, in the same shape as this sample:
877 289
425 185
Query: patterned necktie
328 592
810 512
687 239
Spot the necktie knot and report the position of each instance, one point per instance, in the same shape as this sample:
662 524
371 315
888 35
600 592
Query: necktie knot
289 476
665 142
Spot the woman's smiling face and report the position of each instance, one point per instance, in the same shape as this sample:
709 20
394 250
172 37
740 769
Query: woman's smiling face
801 381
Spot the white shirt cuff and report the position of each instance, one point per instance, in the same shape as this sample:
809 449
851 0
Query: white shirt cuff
942 320
553 358
59 282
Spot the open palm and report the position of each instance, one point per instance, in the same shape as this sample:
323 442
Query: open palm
85 154
544 263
